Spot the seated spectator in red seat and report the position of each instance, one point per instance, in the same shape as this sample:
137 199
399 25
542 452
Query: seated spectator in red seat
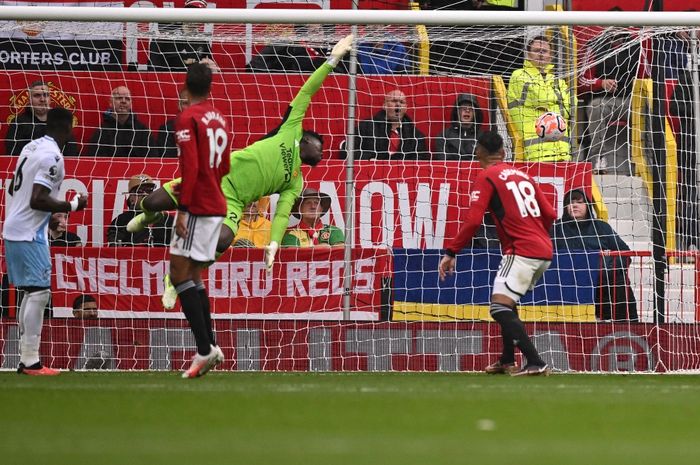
121 133
458 141
165 142
59 236
180 50
390 134
158 234
31 123
295 54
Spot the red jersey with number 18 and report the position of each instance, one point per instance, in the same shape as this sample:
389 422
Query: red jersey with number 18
523 216
204 144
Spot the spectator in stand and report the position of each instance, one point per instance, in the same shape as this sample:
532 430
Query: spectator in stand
85 307
121 133
254 230
59 236
311 232
390 134
184 46
579 230
611 63
31 123
382 55
458 141
165 142
682 101
158 234
534 90
300 53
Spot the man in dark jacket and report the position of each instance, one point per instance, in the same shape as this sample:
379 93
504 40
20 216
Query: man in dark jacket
390 134
59 236
165 142
579 230
457 142
121 133
31 123
688 228
158 234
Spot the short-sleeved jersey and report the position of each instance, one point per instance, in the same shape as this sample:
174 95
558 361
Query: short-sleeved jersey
40 162
523 216
204 144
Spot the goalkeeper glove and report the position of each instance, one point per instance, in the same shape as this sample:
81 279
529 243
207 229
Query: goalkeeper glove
270 252
343 46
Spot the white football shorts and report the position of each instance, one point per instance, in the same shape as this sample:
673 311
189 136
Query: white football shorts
516 275
202 236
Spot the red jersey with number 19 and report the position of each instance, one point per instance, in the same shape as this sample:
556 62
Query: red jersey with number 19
523 216
204 145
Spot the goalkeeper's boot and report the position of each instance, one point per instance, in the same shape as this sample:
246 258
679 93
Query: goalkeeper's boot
36 370
218 355
143 220
169 296
201 364
532 370
499 368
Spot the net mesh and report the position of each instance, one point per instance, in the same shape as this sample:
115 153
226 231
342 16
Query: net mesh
625 93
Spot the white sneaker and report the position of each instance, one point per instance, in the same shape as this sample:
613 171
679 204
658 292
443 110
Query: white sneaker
169 296
201 364
218 355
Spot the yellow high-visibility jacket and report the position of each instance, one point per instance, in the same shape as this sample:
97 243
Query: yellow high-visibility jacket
531 93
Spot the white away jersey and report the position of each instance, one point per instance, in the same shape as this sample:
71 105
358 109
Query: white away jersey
40 162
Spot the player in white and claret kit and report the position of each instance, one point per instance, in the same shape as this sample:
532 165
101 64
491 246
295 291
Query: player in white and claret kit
31 199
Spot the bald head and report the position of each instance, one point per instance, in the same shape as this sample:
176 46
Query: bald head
395 106
121 101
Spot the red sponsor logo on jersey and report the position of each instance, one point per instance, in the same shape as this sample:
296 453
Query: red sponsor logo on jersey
183 135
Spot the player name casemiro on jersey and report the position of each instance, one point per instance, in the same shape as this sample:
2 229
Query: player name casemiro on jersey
503 175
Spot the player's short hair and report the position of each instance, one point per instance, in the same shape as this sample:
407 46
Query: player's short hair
198 80
539 38
313 134
491 141
37 84
81 300
59 119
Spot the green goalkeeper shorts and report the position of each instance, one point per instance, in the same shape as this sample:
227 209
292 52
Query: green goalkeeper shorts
234 207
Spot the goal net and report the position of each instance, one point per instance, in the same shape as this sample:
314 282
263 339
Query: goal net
356 284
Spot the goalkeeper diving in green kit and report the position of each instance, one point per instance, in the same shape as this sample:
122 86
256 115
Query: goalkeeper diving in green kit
271 165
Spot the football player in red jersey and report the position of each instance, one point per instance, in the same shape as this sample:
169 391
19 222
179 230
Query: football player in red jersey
523 217
202 137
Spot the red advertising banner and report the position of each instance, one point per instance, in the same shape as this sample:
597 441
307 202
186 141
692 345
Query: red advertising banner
407 204
337 346
305 283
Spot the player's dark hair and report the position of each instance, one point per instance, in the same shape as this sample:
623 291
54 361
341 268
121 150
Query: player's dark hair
538 38
58 120
81 300
491 141
314 135
198 80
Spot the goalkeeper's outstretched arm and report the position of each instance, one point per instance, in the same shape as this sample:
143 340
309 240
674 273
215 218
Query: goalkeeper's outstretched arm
297 109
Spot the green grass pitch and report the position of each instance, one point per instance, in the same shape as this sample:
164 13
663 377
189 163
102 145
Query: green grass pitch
348 418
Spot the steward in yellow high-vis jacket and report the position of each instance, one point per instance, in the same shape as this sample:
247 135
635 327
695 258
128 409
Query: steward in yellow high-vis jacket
534 90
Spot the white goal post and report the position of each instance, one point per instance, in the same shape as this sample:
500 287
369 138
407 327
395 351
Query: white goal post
377 304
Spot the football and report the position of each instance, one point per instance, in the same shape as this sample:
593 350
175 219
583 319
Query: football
550 126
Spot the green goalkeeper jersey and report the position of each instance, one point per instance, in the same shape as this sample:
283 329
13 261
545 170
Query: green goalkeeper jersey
272 165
